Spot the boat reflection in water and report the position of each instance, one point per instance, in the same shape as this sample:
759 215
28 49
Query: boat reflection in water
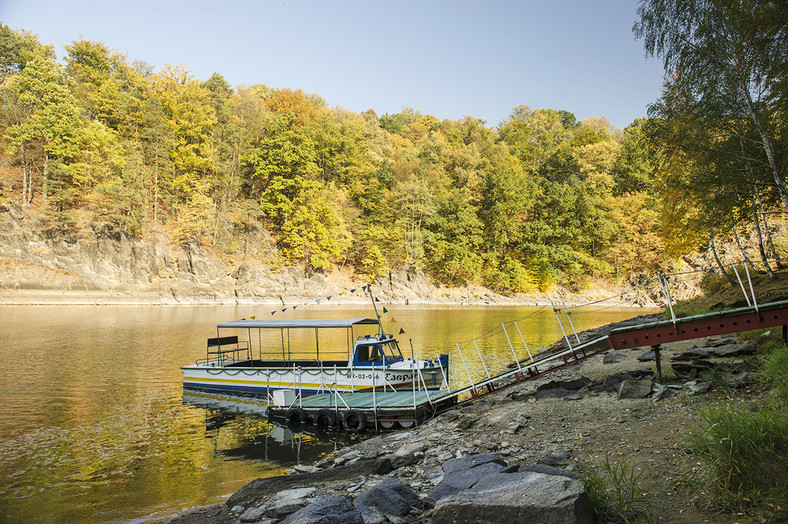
239 429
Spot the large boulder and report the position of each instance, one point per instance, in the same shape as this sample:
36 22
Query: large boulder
326 510
517 497
389 501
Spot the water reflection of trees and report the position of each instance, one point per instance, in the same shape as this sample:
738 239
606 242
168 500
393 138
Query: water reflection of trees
239 429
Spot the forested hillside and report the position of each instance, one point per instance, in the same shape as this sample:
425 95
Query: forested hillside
96 141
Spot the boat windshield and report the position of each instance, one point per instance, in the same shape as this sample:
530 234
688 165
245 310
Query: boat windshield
377 351
391 350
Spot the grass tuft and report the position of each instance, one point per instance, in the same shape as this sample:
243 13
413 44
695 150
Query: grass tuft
743 449
614 492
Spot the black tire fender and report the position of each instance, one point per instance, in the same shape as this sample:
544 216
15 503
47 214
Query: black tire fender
326 418
297 416
354 420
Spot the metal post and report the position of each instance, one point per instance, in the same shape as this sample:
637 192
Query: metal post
656 348
481 358
516 360
443 373
663 281
375 307
374 398
754 303
741 285
561 325
569 317
464 364
300 387
523 339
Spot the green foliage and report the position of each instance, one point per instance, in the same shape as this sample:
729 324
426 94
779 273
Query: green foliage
775 371
544 200
743 451
614 492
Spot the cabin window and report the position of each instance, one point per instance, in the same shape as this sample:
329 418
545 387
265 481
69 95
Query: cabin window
392 351
369 353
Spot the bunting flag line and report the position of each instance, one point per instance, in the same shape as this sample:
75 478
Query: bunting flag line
329 297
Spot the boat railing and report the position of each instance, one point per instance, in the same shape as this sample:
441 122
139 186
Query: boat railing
222 349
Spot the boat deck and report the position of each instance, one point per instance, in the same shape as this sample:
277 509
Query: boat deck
379 408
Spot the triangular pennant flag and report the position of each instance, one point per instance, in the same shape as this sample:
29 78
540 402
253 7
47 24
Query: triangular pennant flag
352 290
401 331
376 299
273 312
317 301
385 310
252 318
393 320
328 298
284 309
363 288
295 307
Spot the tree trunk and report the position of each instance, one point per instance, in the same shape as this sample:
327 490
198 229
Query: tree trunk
717 258
767 146
44 179
769 242
25 201
761 249
741 248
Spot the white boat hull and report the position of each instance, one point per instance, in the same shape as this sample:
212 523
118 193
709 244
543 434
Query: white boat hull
311 380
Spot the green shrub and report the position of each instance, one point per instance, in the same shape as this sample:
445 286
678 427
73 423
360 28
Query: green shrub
743 455
615 494
775 371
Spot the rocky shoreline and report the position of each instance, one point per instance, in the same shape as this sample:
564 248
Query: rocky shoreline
514 454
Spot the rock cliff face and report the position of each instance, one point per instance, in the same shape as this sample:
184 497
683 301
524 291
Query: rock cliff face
94 266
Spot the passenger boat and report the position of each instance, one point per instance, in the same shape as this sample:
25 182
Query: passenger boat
242 363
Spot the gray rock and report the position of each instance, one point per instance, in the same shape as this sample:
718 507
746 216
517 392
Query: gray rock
253 514
265 487
521 419
575 384
461 480
736 350
612 358
635 389
648 356
558 392
517 497
739 380
691 354
699 388
559 458
471 461
389 501
612 383
661 392
546 469
326 510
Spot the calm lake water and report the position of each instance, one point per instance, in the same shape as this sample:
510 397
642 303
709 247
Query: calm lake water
95 425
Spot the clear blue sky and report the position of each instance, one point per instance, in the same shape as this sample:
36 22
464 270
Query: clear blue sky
445 58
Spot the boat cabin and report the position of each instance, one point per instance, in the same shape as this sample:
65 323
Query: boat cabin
285 343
